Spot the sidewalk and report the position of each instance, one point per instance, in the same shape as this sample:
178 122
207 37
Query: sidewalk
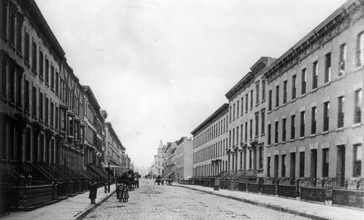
74 208
296 207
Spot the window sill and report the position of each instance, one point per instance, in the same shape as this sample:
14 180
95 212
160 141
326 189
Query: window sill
262 135
327 83
27 63
340 129
314 90
19 107
34 71
303 95
325 132
356 125
292 140
301 138
20 54
293 100
257 104
277 107
263 100
313 135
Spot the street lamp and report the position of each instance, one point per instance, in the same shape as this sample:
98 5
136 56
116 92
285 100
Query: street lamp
108 176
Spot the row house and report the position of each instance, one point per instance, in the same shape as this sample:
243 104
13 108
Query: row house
315 125
115 151
210 142
184 158
52 130
169 162
247 118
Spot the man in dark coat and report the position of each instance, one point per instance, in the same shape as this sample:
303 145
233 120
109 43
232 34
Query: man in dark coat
93 192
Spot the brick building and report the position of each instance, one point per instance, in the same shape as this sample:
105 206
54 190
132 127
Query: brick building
184 158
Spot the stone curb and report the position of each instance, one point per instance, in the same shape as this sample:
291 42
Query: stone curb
90 209
269 206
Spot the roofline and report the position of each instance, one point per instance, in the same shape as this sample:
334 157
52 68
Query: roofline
224 107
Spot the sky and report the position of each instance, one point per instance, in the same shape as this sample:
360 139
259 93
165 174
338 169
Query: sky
161 67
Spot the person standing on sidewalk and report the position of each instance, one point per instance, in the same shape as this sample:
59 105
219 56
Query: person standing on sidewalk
93 192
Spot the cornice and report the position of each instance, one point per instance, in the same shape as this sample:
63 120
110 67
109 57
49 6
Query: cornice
211 118
336 23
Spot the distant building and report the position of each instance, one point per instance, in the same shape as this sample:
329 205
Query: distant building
115 151
169 162
158 160
210 142
184 158
247 121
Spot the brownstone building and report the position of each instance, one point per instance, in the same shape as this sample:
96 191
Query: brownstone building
315 103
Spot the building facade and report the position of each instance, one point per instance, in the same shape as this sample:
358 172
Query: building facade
210 141
51 127
315 103
247 121
169 162
158 160
184 158
115 155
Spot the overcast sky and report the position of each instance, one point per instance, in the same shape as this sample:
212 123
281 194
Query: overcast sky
161 67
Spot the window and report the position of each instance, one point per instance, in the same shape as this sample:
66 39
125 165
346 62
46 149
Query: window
34 56
284 125
293 129
52 114
27 47
285 92
3 141
360 50
263 90
246 131
270 100
313 119
294 86
303 82
276 132
241 132
246 102
327 67
34 102
342 58
41 68
260 152
19 94
47 72
358 96
242 105
251 129
257 124
293 165
283 166
269 134
52 77
4 78
268 166
27 96
326 115
314 74
46 110
302 164
40 106
233 111
340 112
57 83
12 27
357 160
237 109
4 14
302 128
12 87
325 162
251 99
230 112
262 121
257 94
277 96
19 35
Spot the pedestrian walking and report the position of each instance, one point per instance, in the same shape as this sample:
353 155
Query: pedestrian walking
93 192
